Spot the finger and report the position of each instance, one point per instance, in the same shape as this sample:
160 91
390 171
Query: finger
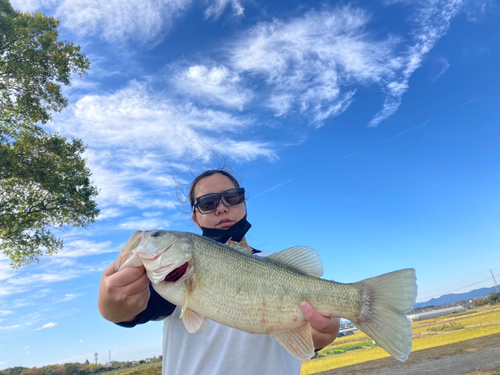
317 321
127 276
109 270
141 294
138 286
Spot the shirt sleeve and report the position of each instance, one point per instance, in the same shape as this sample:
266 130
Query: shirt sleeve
158 308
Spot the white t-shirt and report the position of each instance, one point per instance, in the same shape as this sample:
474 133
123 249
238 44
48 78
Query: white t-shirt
223 351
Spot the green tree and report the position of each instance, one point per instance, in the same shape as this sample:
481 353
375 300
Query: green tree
44 182
34 66
492 299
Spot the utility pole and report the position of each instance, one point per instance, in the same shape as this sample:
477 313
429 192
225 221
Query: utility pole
109 352
496 286
95 355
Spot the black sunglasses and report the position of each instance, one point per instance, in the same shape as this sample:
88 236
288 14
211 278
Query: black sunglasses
209 202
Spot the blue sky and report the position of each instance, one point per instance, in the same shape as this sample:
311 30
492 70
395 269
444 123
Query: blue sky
367 130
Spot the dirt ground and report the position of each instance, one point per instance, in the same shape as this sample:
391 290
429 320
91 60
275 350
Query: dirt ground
479 356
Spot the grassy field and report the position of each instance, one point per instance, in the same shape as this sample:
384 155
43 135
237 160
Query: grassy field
427 334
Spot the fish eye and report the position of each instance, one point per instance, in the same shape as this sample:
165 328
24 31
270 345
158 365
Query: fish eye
155 234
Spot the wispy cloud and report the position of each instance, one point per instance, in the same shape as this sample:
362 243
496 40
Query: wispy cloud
79 248
114 20
136 223
139 135
57 269
42 278
213 85
48 325
274 187
10 327
432 22
142 127
216 9
312 63
441 67
6 270
70 296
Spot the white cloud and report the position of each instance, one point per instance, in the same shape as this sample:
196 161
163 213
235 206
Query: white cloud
31 5
441 66
59 268
216 85
152 214
432 22
5 312
7 289
109 213
71 296
48 325
138 138
6 271
116 20
312 63
43 278
21 303
79 248
135 223
149 127
10 327
217 8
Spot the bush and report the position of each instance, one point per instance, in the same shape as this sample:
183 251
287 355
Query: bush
446 327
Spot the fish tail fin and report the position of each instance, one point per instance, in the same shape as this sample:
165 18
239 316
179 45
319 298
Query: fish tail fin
385 301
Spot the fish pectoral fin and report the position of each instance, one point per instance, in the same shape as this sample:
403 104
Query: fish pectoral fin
205 326
298 341
194 321
302 258
191 319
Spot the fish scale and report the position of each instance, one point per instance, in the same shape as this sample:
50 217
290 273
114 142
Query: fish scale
263 294
280 287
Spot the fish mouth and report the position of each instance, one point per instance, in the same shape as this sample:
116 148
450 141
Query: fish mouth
170 273
152 256
177 273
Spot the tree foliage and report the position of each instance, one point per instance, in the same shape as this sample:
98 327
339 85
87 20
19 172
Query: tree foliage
149 366
44 182
492 299
34 66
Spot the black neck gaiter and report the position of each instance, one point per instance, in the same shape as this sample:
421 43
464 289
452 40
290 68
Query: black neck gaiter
235 233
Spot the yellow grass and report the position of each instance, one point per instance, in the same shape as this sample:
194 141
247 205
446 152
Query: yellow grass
422 340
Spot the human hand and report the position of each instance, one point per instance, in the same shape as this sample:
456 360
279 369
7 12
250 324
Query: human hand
123 294
324 330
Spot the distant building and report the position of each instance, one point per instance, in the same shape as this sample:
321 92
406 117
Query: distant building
435 313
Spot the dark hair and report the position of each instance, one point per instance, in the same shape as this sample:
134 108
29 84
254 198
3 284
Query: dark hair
208 173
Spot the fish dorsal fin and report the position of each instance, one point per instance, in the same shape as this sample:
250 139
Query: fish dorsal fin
302 258
236 246
298 341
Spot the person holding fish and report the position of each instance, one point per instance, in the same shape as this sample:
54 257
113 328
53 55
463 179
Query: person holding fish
127 298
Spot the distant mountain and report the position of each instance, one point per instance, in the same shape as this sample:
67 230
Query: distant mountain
448 299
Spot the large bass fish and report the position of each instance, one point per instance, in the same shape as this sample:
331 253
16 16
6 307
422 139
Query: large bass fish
256 294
